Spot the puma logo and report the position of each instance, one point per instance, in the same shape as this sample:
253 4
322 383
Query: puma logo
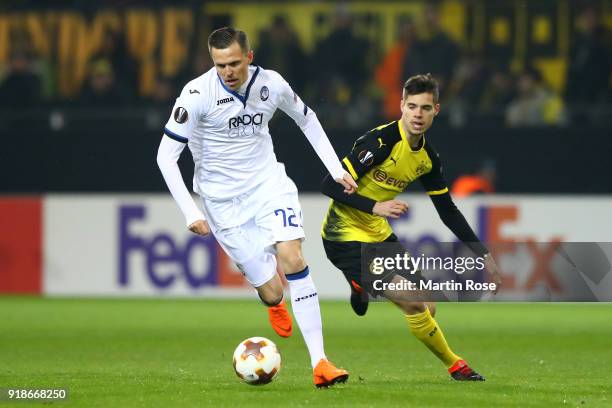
192 91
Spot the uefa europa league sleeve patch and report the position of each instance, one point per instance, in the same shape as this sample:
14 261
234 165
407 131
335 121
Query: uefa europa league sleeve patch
366 157
180 115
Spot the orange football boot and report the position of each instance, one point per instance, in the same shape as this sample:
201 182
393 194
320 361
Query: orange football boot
280 319
326 374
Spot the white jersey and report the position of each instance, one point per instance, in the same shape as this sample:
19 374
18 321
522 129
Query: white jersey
227 132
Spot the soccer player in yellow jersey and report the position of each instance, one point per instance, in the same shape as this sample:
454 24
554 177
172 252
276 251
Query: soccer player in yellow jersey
384 161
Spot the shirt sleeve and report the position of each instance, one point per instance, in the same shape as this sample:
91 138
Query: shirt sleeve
167 156
185 114
434 182
307 120
456 222
368 151
435 185
336 192
291 103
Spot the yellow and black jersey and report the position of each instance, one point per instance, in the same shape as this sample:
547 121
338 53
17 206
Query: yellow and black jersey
385 164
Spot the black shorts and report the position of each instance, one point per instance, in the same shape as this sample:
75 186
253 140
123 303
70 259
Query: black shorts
348 256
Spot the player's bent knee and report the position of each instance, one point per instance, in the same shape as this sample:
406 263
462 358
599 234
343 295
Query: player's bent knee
411 307
432 308
271 292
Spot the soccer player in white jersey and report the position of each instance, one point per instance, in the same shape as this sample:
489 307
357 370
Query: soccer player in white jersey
249 203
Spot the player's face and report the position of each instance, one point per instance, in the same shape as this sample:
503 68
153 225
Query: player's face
418 112
232 64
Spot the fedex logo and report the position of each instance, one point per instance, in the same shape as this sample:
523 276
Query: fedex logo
167 262
490 222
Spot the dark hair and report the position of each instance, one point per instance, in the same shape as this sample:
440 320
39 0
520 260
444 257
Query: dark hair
224 37
422 84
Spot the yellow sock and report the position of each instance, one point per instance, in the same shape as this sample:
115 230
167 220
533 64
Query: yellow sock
425 328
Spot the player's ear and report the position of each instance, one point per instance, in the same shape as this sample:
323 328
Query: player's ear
402 105
250 56
436 109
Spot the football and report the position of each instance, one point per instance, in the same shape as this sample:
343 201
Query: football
256 360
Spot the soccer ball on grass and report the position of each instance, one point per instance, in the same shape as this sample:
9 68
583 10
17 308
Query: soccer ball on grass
256 360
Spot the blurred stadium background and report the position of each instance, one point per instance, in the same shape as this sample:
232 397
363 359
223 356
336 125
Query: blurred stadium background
86 88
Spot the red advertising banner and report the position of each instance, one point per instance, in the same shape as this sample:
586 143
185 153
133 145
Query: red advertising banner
21 245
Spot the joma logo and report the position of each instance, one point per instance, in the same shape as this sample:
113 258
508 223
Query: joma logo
224 100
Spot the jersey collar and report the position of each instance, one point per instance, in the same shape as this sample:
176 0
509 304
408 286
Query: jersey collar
241 98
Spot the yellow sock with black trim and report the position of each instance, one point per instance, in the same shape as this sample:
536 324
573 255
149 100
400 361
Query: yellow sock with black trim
425 328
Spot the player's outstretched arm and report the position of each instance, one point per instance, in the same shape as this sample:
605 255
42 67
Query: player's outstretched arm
308 122
390 209
334 190
456 222
167 157
320 142
436 187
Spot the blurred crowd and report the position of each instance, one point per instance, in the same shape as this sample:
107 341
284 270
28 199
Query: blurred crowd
351 83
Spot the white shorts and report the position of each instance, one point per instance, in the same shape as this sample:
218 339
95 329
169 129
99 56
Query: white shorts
273 218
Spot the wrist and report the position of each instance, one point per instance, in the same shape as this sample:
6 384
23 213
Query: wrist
374 207
190 220
338 173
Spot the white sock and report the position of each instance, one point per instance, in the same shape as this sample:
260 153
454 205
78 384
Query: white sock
305 305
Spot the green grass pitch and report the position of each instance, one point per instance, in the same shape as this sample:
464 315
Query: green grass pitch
177 353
